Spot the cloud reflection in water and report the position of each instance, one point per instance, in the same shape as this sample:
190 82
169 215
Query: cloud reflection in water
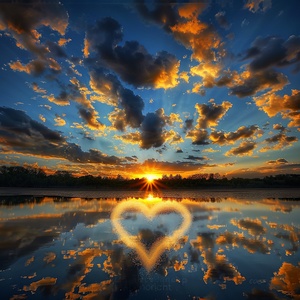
70 249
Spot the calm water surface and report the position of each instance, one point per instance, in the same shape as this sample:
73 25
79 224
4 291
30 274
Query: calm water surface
130 245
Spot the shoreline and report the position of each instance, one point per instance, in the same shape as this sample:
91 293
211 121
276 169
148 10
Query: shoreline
218 192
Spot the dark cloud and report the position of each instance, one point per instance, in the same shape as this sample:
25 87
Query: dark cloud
238 239
221 19
188 124
163 13
277 161
257 294
131 62
218 267
196 158
274 51
223 138
198 136
21 134
258 81
114 93
245 148
23 20
253 226
56 50
152 130
90 118
281 139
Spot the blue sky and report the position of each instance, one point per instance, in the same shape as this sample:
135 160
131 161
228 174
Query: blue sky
141 87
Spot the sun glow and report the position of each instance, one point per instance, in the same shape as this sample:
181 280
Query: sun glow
150 177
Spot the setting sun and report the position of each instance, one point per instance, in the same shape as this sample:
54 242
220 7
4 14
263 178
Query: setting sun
151 177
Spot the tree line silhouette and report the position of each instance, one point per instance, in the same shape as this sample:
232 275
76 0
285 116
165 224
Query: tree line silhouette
18 176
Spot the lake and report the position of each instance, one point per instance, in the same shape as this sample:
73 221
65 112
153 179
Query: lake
211 244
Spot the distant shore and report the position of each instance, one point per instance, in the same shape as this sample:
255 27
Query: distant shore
199 193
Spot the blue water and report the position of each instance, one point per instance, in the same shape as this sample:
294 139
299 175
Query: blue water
237 245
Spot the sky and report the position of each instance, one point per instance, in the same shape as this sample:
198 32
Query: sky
131 88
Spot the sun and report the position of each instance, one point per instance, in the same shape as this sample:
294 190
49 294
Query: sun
150 178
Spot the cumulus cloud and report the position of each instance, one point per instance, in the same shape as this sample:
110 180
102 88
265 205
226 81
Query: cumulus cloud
198 136
274 51
23 20
113 93
253 226
245 148
152 130
218 267
223 138
184 23
278 142
210 115
90 116
131 61
278 161
59 121
249 83
286 280
238 239
19 133
287 105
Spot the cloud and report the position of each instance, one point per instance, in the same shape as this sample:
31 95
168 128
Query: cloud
152 130
238 239
249 83
35 67
257 294
274 52
198 136
287 105
188 124
278 142
90 116
278 161
21 134
196 158
253 226
223 138
245 148
113 93
286 280
218 267
131 62
210 115
184 23
59 121
23 20
42 118
258 5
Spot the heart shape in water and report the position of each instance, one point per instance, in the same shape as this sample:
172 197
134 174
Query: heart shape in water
149 258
